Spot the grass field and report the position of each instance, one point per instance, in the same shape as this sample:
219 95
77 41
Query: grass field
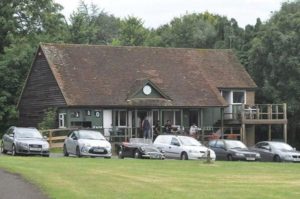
64 178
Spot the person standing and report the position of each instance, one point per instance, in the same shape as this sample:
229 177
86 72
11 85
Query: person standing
193 130
146 128
168 127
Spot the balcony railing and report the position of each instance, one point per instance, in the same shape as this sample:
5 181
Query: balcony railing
263 112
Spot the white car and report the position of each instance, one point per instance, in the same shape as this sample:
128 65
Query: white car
87 143
182 147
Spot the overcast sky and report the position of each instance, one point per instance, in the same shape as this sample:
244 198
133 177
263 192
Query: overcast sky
158 12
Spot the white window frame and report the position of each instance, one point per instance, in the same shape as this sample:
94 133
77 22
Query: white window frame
119 117
61 120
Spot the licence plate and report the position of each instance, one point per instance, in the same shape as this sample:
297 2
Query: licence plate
250 158
35 149
99 150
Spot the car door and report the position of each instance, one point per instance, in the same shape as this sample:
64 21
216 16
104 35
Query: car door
264 149
9 139
71 142
220 150
174 148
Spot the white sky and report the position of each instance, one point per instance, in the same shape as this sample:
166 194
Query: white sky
158 12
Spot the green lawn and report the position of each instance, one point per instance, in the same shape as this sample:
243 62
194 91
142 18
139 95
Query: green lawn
64 178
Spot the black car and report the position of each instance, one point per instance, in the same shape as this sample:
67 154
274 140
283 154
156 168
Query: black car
232 150
138 148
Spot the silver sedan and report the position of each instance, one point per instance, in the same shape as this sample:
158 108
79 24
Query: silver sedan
87 143
276 151
27 141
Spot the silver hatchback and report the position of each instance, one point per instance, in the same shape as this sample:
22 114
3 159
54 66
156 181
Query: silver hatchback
27 141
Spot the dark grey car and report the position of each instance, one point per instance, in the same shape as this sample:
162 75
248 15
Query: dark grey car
27 141
276 151
232 150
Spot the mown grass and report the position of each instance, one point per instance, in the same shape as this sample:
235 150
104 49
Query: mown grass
64 178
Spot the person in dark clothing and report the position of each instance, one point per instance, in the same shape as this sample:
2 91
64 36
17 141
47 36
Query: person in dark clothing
168 127
146 128
156 130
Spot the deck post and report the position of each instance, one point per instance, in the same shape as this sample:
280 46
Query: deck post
222 122
243 135
285 133
270 133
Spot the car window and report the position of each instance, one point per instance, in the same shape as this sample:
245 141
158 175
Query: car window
220 144
27 133
231 144
212 143
73 135
175 142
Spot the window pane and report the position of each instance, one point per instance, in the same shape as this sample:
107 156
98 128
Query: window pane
123 118
238 97
177 118
167 115
116 118
155 117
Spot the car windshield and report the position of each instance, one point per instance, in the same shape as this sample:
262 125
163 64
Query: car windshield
189 141
281 146
91 135
231 144
28 133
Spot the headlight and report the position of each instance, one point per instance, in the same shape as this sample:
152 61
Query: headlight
142 149
24 145
87 145
239 154
46 146
257 155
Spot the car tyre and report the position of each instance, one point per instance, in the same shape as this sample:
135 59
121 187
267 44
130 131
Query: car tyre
120 154
14 151
137 154
47 156
184 156
107 157
66 154
2 148
277 158
78 152
229 158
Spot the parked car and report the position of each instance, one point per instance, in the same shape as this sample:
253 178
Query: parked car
276 151
232 150
87 143
182 147
140 148
27 141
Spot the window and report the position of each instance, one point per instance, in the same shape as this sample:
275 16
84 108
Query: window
120 118
155 116
97 113
75 114
175 142
173 115
238 97
61 120
88 112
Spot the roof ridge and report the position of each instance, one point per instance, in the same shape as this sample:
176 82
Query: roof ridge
149 47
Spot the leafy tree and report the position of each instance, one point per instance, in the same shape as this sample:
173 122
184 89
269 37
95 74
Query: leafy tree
49 120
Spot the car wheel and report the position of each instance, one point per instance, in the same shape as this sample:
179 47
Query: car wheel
120 154
78 152
107 157
277 158
46 155
229 158
184 156
2 148
66 154
137 154
14 150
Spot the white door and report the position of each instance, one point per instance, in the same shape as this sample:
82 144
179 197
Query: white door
107 122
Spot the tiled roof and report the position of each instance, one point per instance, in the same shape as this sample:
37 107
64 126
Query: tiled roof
95 75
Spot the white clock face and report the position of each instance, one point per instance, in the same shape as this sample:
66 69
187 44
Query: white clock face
147 90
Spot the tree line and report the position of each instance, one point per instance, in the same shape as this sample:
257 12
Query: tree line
269 50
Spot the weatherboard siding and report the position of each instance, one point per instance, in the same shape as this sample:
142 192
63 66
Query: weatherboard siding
40 93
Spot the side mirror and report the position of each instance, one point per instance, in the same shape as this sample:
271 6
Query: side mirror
75 138
11 135
294 149
45 137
